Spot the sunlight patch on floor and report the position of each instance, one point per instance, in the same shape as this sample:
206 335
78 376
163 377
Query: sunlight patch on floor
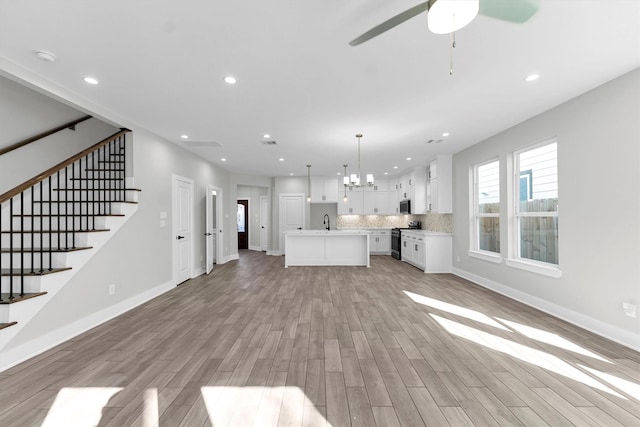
257 406
551 338
150 413
527 354
631 388
455 309
79 407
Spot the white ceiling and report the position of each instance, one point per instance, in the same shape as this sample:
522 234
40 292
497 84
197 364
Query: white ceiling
161 65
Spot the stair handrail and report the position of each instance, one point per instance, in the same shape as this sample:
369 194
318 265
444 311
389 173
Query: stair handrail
44 175
44 134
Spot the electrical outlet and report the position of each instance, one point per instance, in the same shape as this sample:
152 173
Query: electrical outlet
629 309
112 289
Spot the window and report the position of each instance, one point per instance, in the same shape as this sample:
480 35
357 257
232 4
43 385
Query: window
486 219
536 209
241 219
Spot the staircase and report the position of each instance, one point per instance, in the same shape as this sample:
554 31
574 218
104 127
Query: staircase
51 225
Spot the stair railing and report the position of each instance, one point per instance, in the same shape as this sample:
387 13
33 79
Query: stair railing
43 215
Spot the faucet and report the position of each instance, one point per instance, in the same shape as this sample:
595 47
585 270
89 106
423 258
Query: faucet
326 221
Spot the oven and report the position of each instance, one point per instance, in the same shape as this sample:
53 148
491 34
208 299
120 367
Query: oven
395 243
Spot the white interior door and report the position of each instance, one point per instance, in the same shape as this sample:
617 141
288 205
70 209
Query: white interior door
182 201
291 214
210 228
264 223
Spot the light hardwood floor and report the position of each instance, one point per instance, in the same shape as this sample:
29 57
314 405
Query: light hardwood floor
256 344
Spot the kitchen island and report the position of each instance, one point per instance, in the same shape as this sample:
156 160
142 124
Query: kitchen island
321 247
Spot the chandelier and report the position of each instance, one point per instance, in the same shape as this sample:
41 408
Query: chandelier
354 179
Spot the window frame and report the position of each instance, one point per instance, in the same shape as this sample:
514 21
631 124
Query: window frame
474 246
515 259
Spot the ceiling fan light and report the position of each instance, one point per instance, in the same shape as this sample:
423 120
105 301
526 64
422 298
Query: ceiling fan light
447 16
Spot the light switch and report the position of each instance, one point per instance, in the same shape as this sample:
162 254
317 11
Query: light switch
163 223
163 215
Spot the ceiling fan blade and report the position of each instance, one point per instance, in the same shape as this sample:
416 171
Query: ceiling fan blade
509 10
389 24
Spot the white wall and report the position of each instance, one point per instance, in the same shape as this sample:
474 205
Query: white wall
598 136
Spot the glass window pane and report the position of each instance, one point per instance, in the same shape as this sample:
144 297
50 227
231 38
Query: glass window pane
538 185
240 218
489 234
489 187
539 239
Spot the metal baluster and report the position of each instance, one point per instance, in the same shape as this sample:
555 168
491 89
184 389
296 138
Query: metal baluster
50 233
33 227
66 208
11 248
93 190
73 205
22 244
123 168
41 231
59 205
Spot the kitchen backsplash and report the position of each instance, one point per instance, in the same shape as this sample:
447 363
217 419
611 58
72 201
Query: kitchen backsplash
431 222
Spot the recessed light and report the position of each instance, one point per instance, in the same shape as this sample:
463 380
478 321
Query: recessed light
46 56
386 173
281 159
230 80
339 173
223 159
91 80
291 173
532 77
184 136
446 134
395 167
266 135
408 158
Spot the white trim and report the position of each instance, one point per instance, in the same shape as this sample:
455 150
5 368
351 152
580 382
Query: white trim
486 256
535 267
255 248
274 253
598 327
232 257
22 352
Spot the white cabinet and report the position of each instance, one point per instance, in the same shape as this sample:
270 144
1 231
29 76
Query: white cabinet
419 204
380 242
376 202
406 186
393 206
355 202
440 185
429 251
324 190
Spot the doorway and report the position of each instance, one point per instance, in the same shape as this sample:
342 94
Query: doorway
182 227
264 223
213 227
243 224
291 212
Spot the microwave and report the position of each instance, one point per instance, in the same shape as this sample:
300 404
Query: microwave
405 206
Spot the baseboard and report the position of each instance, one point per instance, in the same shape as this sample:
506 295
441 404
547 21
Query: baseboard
274 253
232 257
198 272
255 248
22 352
606 330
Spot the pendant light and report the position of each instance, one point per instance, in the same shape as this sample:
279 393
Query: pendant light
309 183
354 180
346 183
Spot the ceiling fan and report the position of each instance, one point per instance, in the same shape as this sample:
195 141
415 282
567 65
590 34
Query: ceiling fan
448 16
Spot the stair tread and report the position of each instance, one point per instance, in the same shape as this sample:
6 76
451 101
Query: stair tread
18 298
56 231
7 272
96 189
63 215
62 202
6 325
38 250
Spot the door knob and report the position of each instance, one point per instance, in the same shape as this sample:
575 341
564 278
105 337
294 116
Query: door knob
208 234
179 237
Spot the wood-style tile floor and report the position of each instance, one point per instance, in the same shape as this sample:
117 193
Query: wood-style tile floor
254 343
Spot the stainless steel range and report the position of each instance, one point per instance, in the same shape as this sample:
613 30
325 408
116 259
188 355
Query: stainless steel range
396 235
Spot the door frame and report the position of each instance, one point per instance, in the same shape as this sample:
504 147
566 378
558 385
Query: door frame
247 220
264 223
219 223
174 226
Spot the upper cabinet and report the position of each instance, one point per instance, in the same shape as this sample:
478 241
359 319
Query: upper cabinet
324 190
440 185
